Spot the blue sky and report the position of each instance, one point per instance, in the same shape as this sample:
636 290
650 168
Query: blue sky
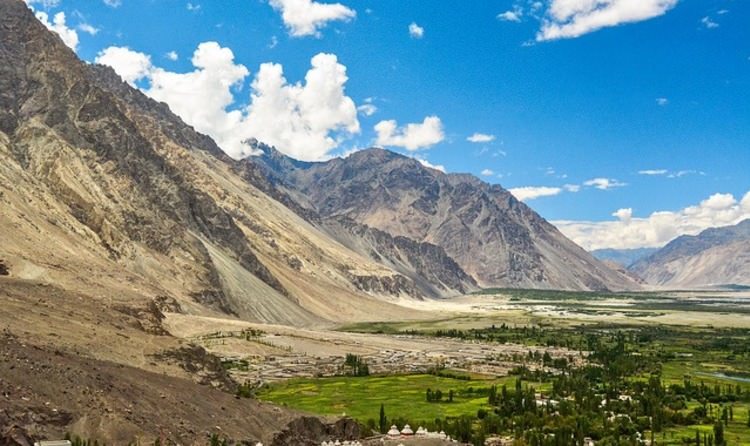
664 89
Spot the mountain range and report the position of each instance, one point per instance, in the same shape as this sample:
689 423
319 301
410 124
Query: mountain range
623 257
716 256
107 192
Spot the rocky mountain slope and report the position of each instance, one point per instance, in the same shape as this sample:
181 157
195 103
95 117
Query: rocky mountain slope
493 237
716 256
105 191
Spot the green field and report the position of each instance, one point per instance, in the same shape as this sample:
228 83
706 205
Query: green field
678 378
402 396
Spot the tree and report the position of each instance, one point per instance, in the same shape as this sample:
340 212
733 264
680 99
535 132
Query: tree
383 423
450 396
719 434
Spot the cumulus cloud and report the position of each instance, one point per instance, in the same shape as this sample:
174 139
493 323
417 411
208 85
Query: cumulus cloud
130 65
304 120
480 138
307 17
603 183
413 136
172 55
113 3
300 119
624 214
487 173
574 18
572 187
658 228
69 36
512 15
662 102
532 192
416 31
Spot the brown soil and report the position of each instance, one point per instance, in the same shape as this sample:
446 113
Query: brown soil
70 363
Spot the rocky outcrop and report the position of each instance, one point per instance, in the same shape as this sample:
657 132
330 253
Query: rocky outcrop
433 271
492 237
15 436
310 431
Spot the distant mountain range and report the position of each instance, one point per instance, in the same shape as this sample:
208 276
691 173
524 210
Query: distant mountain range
623 257
716 256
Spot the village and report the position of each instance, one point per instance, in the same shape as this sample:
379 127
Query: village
261 357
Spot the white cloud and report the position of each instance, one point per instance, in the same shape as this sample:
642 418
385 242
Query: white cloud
416 31
574 18
480 138
426 163
513 15
46 4
300 119
572 187
624 214
709 23
69 36
603 183
531 192
660 227
130 65
414 136
193 7
682 173
306 17
304 120
669 174
172 55
113 3
663 102
487 173
653 172
367 109
88 28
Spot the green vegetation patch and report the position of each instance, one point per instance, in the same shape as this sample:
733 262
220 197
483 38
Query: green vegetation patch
401 395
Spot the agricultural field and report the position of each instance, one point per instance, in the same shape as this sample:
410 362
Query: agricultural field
401 395
644 378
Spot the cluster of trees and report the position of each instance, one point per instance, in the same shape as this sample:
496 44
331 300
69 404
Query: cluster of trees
437 396
617 398
356 365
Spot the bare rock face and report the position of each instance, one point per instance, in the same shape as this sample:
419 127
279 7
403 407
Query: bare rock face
716 256
310 431
4 271
493 238
433 271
